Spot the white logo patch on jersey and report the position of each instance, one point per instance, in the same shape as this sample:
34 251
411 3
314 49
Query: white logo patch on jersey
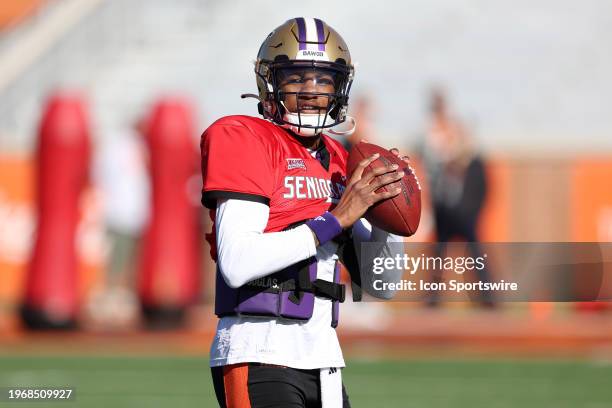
296 164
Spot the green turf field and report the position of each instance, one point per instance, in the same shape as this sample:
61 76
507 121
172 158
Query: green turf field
185 382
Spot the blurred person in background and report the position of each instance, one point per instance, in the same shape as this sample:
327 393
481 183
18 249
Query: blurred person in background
121 175
457 184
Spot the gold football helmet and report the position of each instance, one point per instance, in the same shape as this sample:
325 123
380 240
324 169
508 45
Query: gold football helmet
304 48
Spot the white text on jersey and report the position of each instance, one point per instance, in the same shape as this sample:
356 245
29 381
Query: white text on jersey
312 188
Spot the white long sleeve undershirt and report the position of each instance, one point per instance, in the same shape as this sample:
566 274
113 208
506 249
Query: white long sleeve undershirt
246 253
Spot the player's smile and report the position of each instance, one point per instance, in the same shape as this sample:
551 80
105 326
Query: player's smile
312 107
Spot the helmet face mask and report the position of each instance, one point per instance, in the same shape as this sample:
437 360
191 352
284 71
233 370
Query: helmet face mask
304 85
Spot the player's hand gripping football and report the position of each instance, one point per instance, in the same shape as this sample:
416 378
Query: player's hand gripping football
360 192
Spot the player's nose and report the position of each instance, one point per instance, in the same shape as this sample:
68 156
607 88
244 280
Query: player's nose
309 84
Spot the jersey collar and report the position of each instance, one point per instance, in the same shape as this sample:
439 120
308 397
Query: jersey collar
322 151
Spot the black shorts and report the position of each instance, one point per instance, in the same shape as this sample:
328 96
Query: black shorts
254 385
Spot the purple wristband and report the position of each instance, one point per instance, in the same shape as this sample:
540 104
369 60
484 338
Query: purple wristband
326 227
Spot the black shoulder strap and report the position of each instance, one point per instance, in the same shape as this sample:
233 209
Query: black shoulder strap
348 256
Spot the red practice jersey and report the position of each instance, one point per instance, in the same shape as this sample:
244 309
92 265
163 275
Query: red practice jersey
249 158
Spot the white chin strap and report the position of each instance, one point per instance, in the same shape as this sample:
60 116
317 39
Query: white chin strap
314 120
310 120
349 131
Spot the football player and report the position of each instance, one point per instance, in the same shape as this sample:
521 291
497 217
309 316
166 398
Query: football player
284 214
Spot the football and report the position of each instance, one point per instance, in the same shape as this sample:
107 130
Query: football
401 214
